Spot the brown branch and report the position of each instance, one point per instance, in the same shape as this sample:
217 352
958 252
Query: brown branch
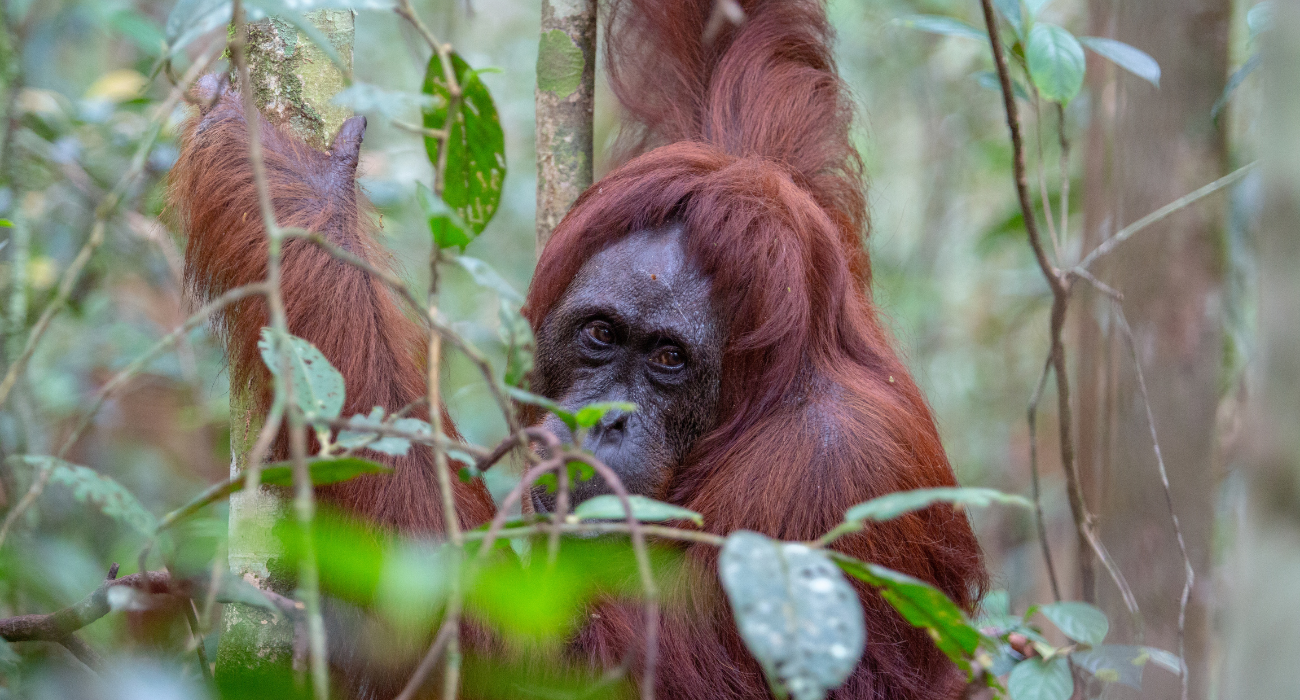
1039 519
59 625
1060 287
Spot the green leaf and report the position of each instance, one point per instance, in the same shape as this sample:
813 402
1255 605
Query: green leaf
5 223
559 64
899 503
1078 621
96 490
1234 81
989 81
488 278
445 225
609 507
1010 9
938 24
141 29
1035 679
1259 19
317 386
323 471
1133 60
234 589
531 399
591 414
922 605
476 157
1056 63
796 613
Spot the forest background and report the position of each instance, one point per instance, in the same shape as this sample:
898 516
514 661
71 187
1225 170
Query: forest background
960 288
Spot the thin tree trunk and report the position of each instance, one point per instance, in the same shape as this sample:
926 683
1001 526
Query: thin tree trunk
1146 147
1263 620
293 81
566 86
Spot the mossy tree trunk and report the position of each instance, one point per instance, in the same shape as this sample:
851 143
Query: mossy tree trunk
565 97
293 82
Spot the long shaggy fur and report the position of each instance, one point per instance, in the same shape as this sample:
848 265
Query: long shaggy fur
351 317
819 413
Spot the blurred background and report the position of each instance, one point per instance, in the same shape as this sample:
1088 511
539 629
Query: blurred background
953 275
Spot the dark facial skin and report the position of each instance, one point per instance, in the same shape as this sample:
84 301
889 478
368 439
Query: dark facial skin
636 324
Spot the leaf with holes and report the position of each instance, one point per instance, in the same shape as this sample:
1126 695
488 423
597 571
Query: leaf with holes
476 154
1056 63
796 613
98 491
445 225
609 507
922 605
317 386
395 446
892 505
1035 679
1131 59
1078 621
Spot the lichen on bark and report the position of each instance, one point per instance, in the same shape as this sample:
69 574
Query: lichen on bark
565 99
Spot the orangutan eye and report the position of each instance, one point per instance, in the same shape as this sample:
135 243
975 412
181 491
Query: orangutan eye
668 357
599 332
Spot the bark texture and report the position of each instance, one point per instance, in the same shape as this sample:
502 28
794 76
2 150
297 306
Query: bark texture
565 96
1145 148
293 83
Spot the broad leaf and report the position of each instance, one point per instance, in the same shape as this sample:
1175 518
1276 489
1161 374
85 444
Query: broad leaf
1056 63
1234 81
445 225
5 223
1078 621
317 386
1133 60
1010 9
922 605
899 503
323 471
1259 18
989 81
590 415
476 156
98 491
485 276
609 507
796 613
938 24
1035 679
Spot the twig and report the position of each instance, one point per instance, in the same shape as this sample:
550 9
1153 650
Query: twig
58 625
1129 231
1063 142
304 493
102 213
1039 520
196 630
1060 287
1042 179
426 664
426 132
1189 575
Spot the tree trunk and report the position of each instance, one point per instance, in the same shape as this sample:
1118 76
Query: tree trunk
566 87
1263 620
1147 147
293 82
